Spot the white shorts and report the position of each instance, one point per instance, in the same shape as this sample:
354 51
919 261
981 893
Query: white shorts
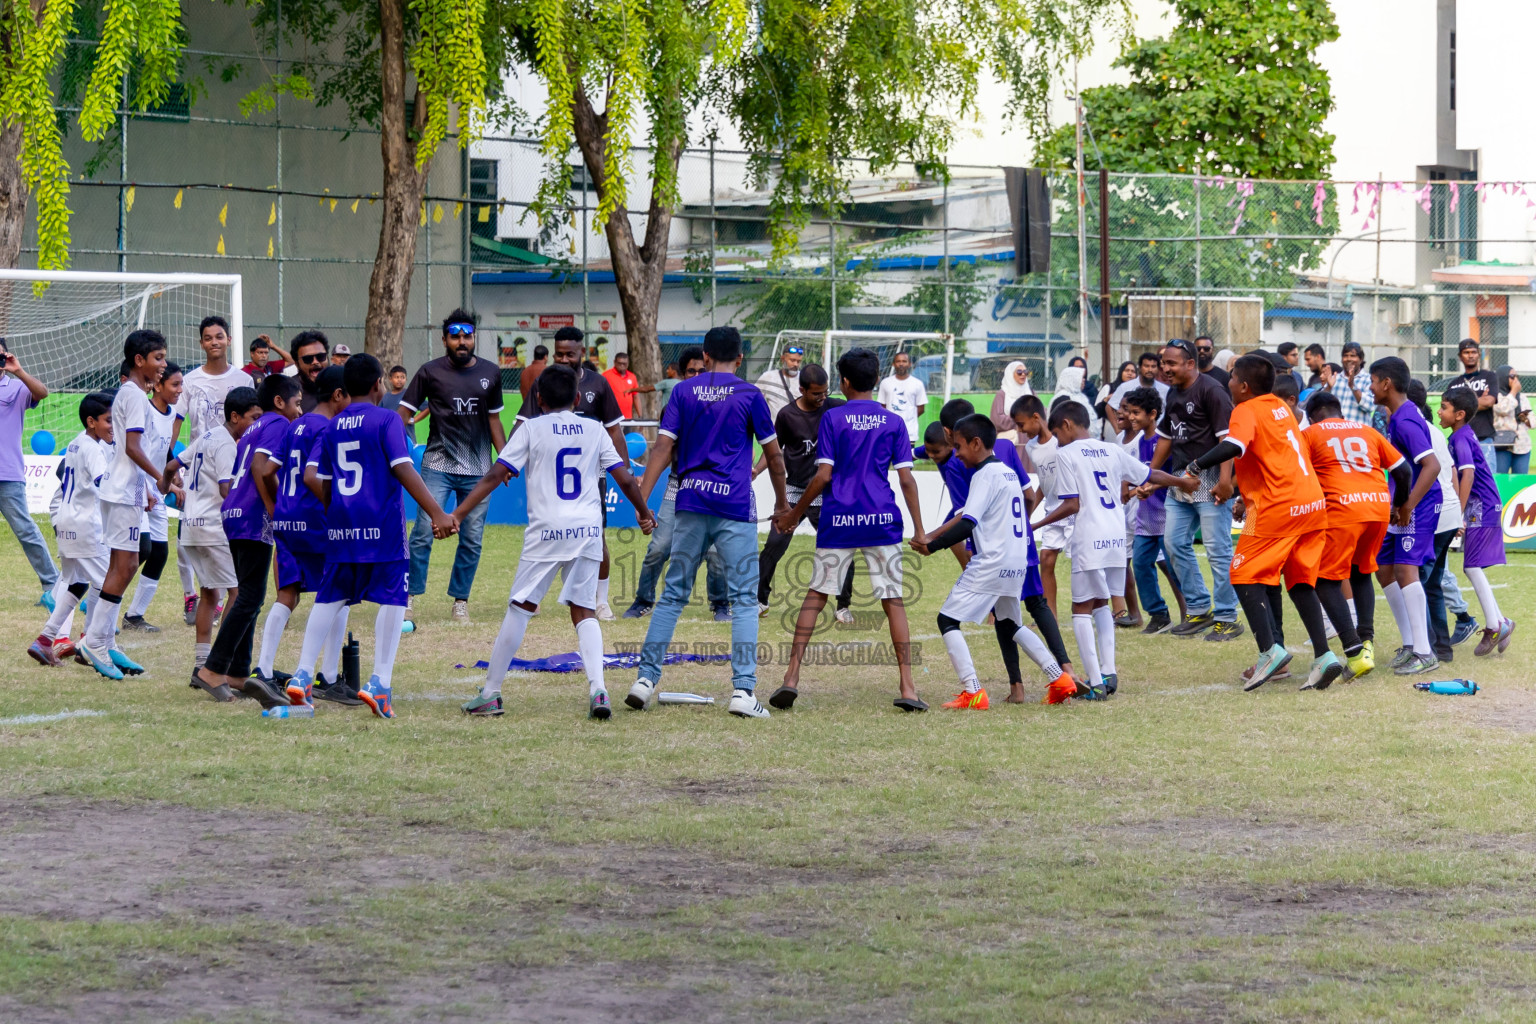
89 569
1098 584
964 605
883 563
579 587
1056 536
157 522
121 526
213 565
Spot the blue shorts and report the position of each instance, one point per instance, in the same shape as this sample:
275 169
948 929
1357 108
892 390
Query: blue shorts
304 568
1032 585
383 583
1416 546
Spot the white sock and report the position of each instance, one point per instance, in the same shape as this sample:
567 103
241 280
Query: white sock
1038 652
315 631
589 640
143 594
602 591
63 615
1082 629
386 641
1104 626
960 657
271 635
101 624
1394 595
200 655
508 640
1418 616
1484 591
1354 619
334 643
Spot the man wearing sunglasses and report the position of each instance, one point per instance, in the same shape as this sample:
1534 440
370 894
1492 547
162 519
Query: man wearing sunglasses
462 392
311 354
780 385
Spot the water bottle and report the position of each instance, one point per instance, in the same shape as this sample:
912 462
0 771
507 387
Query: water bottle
290 711
349 660
1452 687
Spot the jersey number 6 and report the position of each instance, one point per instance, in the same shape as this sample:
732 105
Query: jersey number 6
567 478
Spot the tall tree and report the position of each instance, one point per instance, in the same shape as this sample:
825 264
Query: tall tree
810 85
408 68
143 36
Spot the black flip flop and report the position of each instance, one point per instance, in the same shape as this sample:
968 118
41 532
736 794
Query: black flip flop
783 698
909 704
221 693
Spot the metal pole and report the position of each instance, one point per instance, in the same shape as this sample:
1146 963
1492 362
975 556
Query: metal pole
832 239
1197 237
1104 272
713 229
586 319
464 280
122 176
1376 288
1082 224
278 247
946 272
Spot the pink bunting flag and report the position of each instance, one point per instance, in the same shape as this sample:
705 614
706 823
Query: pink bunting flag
1319 198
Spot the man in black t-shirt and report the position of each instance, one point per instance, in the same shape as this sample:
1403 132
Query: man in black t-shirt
1195 418
1485 385
798 425
1205 349
462 394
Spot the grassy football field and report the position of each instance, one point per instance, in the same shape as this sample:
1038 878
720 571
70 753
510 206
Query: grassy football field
1183 852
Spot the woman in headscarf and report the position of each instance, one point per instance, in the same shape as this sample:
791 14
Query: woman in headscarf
1223 360
1015 386
1512 412
1069 388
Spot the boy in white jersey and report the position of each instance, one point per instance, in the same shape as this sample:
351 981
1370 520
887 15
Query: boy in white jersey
154 531
990 583
1054 536
124 498
210 465
77 524
1089 475
563 457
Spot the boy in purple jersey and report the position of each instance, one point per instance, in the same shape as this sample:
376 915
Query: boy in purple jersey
357 470
298 528
247 514
860 442
1483 540
712 421
1410 540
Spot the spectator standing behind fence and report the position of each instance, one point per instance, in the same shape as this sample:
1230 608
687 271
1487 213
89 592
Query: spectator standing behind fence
20 391
266 358
1512 415
904 395
624 384
399 377
1015 385
532 370
463 394
1315 357
780 384
1485 385
1352 386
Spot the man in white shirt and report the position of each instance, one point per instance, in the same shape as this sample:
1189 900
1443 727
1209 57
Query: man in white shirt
781 384
1147 366
904 394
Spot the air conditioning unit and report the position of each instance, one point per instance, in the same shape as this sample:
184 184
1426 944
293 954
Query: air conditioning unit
1434 307
1407 311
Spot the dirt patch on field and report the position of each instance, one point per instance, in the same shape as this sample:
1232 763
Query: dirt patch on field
1287 910
1493 708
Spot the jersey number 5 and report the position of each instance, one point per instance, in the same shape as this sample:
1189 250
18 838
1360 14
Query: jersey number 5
1099 476
349 478
567 478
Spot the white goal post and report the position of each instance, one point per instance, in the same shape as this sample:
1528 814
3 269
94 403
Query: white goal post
67 326
829 348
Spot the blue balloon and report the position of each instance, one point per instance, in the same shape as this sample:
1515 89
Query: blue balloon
42 443
179 448
636 444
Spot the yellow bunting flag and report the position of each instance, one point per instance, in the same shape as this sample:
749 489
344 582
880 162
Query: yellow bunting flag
272 215
269 247
333 206
423 212
177 201
437 213
485 214
223 217
354 205
221 245
458 208
128 198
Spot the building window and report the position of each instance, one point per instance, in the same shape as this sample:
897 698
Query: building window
482 197
1453 70
1454 231
581 179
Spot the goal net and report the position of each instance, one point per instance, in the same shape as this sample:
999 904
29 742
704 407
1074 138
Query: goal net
932 355
67 327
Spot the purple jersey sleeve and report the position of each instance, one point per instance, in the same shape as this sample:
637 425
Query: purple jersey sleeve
901 445
397 448
826 440
671 416
320 458
1463 441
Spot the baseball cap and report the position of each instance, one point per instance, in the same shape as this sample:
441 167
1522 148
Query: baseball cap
1467 343
341 350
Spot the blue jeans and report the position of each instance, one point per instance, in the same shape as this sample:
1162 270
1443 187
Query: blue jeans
1489 452
660 550
1508 462
443 486
1144 567
13 505
1215 525
692 534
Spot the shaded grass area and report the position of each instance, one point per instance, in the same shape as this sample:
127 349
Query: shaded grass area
1184 852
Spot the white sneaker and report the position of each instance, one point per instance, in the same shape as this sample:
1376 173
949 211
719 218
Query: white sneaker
762 610
1328 630
461 612
604 612
641 694
845 616
745 705
410 603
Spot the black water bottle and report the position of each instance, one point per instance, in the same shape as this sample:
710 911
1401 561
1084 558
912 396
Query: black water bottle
349 663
